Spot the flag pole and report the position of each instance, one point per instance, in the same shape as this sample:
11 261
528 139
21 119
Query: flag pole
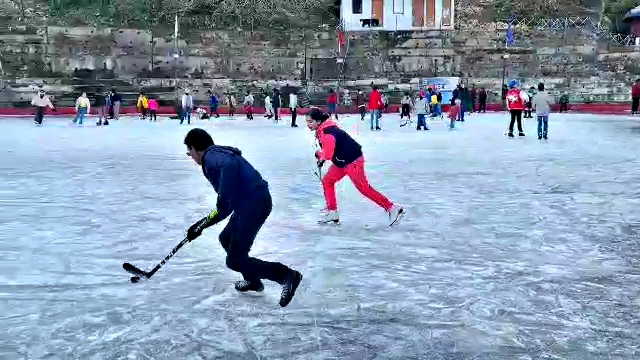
175 55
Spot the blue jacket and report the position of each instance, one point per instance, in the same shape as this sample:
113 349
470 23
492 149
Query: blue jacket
276 99
232 177
213 101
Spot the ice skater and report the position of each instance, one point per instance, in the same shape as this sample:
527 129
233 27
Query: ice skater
268 107
405 110
516 100
248 105
293 106
422 109
41 102
214 103
376 105
243 194
83 108
454 113
187 107
348 160
100 104
143 105
153 109
542 102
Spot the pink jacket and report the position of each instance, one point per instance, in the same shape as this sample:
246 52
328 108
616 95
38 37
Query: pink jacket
153 105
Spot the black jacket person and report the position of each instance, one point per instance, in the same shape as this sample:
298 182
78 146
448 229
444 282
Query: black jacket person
243 194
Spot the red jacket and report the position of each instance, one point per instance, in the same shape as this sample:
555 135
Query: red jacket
635 90
453 113
336 145
375 101
515 100
332 99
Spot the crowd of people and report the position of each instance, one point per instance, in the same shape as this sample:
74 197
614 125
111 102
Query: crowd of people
420 105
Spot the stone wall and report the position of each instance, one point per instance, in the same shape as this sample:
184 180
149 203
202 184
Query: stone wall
68 61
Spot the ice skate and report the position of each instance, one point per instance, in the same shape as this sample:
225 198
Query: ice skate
396 213
330 217
244 286
289 288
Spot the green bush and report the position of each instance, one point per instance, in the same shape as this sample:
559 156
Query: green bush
196 14
613 14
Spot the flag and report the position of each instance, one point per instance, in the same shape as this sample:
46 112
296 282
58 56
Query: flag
510 31
341 40
175 28
341 37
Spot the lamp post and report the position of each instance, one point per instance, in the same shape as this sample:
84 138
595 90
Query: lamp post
505 57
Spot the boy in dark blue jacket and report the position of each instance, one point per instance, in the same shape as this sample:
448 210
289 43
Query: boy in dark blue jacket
243 194
214 103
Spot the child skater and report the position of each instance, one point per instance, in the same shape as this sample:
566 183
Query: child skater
248 105
453 114
406 106
153 109
422 109
268 107
348 160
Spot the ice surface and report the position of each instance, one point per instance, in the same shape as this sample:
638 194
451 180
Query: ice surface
512 249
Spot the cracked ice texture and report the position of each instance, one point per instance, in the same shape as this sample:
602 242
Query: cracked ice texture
512 248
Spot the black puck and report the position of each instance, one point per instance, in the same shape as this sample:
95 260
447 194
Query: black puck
135 279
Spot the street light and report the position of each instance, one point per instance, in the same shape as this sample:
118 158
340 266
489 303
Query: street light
505 57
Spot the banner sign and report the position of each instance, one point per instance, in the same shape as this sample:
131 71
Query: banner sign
446 85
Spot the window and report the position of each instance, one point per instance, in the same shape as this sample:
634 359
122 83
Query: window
356 6
398 6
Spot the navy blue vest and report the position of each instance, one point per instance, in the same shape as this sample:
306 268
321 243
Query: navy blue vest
347 149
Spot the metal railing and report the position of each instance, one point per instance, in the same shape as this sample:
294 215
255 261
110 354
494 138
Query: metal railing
587 25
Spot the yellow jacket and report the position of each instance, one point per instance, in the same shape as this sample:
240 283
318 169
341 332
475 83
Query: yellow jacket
143 102
83 102
434 99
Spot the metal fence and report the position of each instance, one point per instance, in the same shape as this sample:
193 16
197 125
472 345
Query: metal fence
587 25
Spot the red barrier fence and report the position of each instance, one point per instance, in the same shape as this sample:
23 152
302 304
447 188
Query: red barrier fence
594 108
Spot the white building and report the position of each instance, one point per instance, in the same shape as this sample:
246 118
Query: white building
397 15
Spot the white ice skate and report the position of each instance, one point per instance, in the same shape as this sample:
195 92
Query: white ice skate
396 213
330 217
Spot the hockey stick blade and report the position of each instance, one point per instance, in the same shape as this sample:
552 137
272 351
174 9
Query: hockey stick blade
148 274
134 270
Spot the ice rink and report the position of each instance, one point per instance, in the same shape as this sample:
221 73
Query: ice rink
512 248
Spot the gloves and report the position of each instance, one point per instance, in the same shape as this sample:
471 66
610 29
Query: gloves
196 229
319 161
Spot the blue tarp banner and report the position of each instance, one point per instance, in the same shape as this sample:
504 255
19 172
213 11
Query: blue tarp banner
446 85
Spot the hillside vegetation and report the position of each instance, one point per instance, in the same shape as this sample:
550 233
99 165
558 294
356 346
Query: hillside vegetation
286 14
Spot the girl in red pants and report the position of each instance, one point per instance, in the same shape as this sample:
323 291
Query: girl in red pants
347 158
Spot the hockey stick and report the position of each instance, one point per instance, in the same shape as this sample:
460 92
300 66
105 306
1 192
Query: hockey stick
141 273
318 172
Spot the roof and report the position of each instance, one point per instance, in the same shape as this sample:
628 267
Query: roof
632 15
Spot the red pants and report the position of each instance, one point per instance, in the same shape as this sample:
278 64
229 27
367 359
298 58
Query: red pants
355 172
